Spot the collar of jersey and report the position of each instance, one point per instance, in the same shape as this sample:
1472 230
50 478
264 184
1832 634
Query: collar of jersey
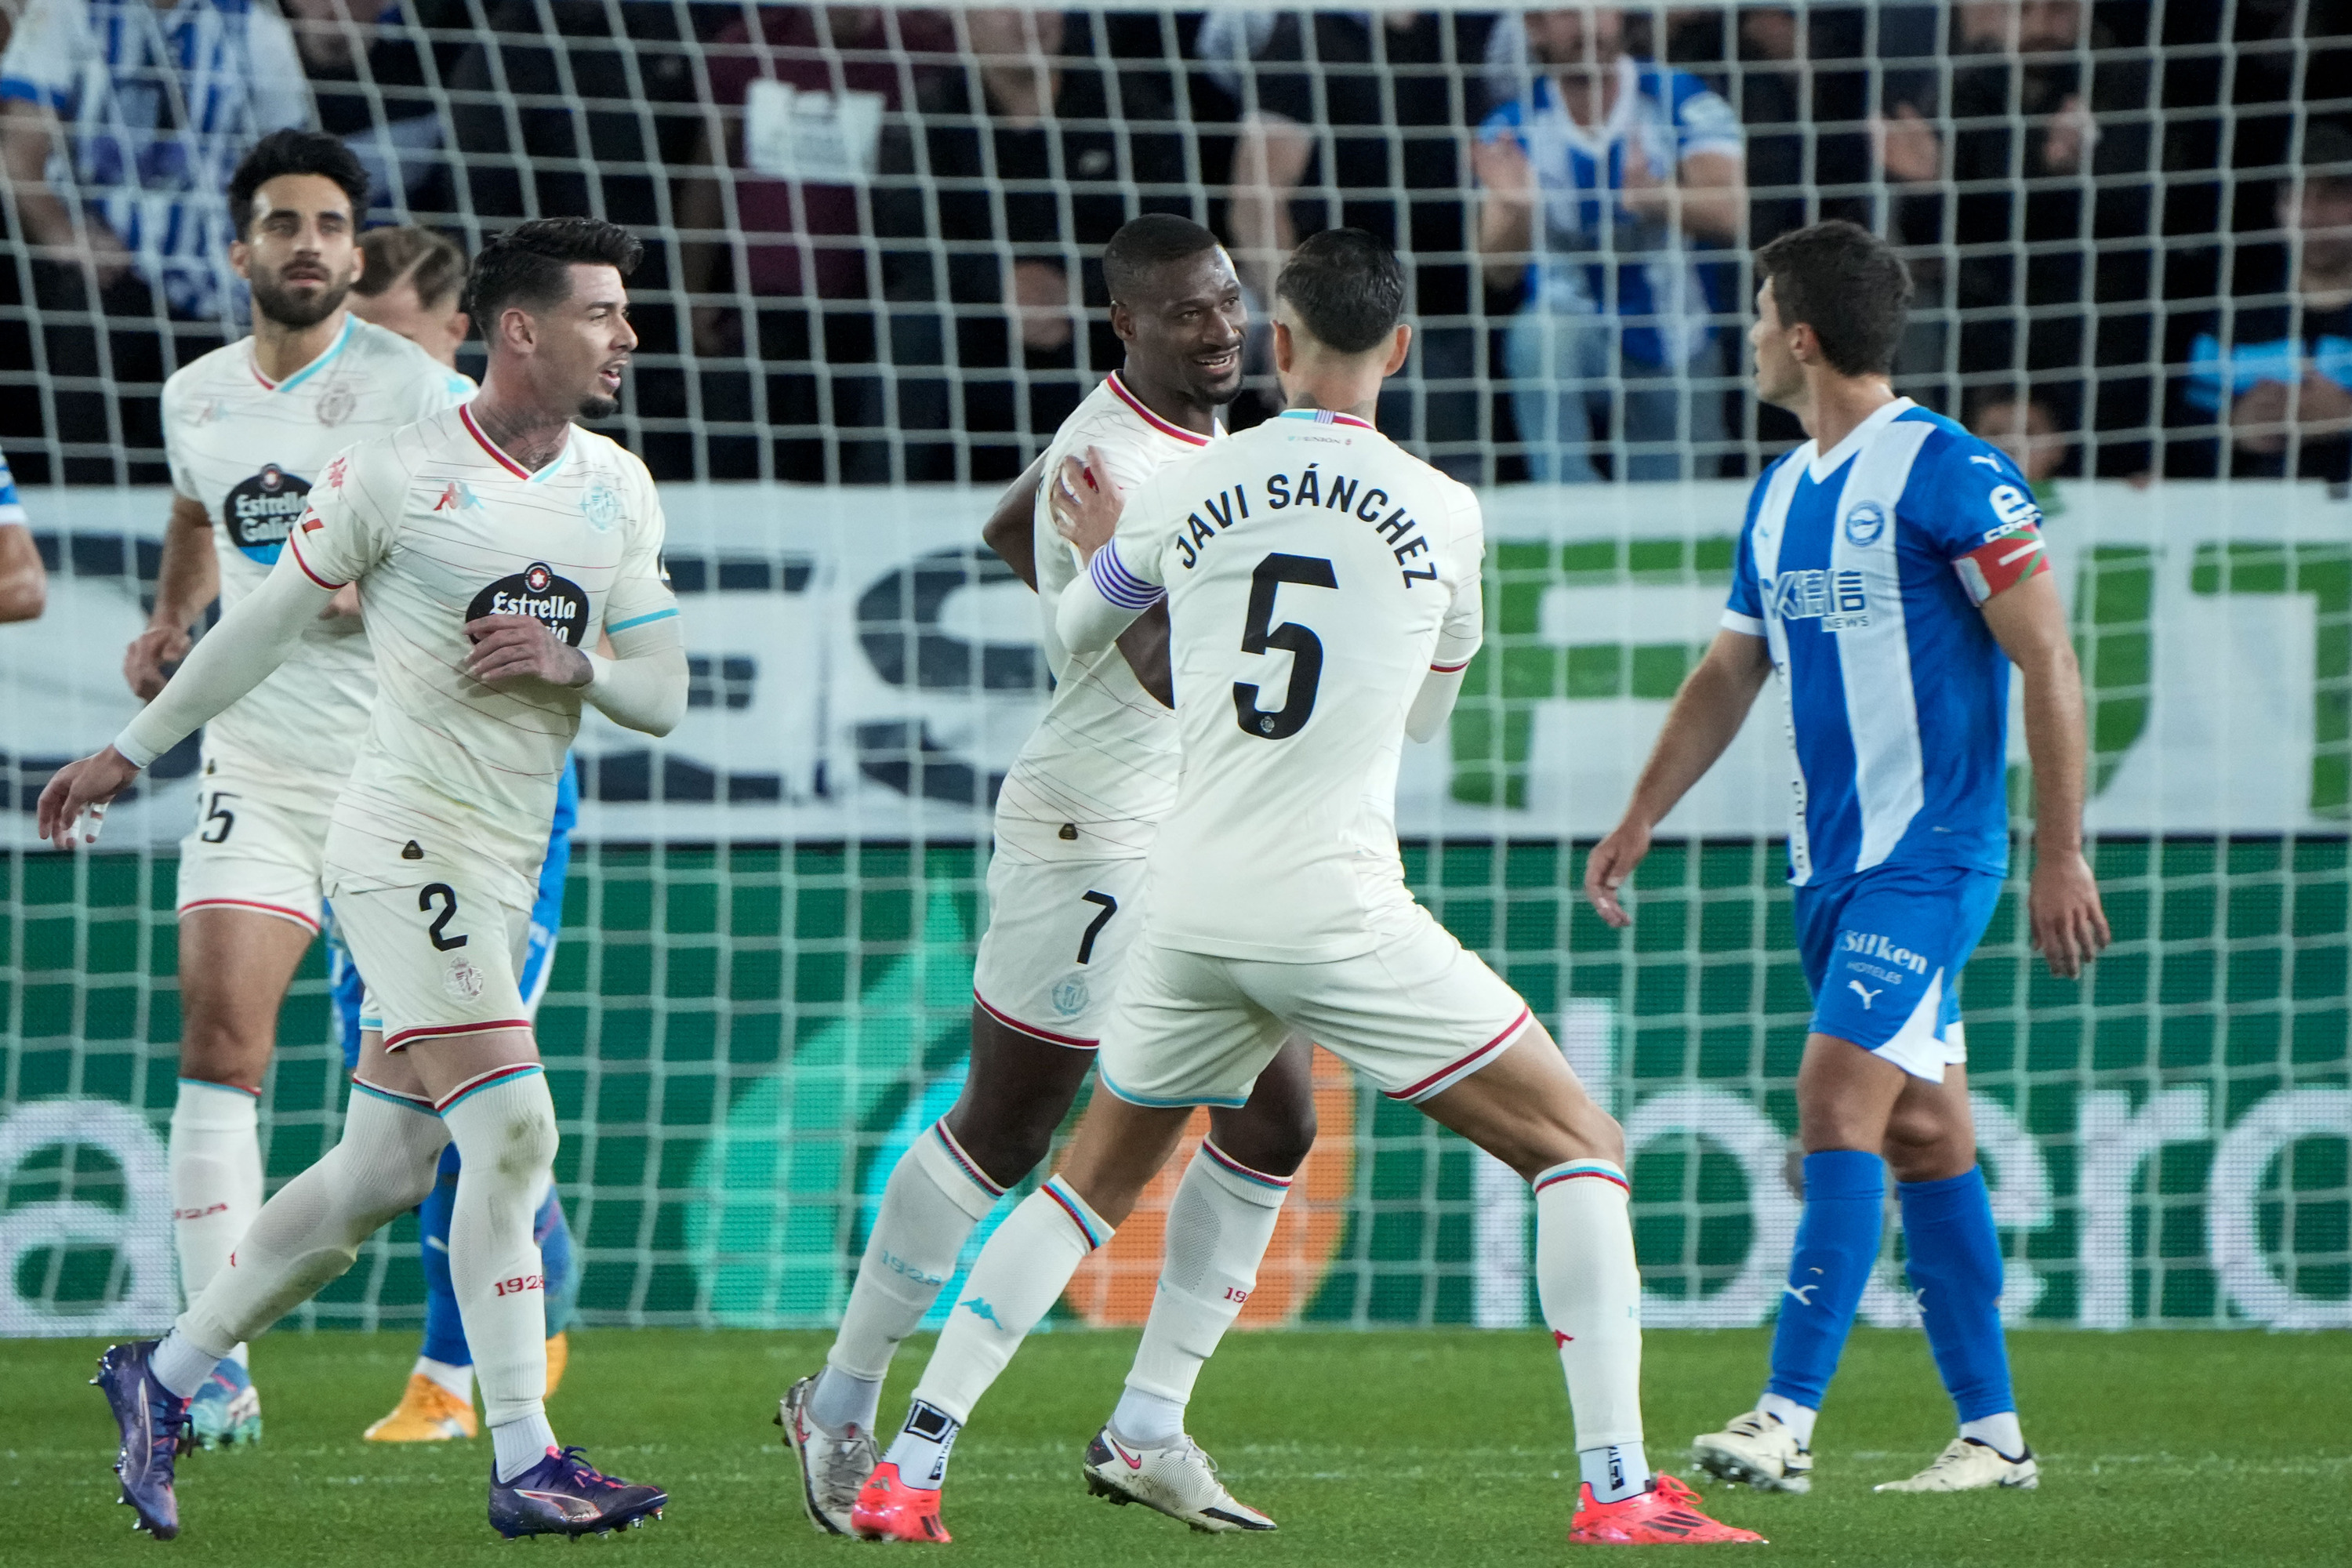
1325 417
1190 437
466 415
351 324
1821 465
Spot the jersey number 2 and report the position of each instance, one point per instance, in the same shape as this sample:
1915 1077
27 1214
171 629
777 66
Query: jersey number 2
447 898
1306 650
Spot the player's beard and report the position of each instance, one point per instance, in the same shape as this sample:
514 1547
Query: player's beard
297 311
598 406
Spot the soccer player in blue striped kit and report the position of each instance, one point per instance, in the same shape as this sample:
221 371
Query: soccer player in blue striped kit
1890 571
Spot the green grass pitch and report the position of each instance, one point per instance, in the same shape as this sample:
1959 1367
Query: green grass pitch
1435 1447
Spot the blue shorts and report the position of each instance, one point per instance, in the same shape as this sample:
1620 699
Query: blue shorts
1883 952
345 987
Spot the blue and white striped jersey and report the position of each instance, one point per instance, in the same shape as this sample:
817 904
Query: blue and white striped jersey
1598 257
1864 567
161 103
12 505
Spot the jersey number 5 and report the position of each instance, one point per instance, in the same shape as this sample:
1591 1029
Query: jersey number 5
1306 650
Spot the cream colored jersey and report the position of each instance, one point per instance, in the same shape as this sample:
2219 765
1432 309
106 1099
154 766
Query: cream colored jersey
1098 772
1315 574
439 527
248 449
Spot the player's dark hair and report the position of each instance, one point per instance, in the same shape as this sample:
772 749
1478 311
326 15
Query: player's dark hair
1345 285
1848 285
431 262
1144 244
295 153
530 264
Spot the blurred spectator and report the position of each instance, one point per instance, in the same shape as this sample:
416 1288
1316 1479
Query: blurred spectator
2275 373
2050 149
801 111
366 61
24 584
1601 184
1010 172
120 121
413 282
2026 426
1348 118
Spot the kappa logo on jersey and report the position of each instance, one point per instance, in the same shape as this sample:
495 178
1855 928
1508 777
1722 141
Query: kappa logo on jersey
260 511
456 496
1836 599
557 602
336 469
1864 523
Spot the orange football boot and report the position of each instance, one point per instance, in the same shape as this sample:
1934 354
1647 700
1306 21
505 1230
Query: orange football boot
888 1509
1665 1515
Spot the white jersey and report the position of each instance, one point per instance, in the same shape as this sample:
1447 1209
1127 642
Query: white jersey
248 449
439 527
1097 774
1315 574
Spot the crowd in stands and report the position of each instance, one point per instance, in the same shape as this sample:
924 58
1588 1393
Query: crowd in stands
871 231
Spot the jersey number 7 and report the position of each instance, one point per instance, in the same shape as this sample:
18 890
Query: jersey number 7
1306 650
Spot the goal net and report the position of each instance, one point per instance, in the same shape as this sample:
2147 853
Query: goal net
871 293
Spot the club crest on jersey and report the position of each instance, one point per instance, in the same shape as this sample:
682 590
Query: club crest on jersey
335 406
557 602
600 507
1070 997
1864 523
259 512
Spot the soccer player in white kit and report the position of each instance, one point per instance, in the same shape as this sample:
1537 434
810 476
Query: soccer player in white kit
492 544
1074 821
248 430
1324 598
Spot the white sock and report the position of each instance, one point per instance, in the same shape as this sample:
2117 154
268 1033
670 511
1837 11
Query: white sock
1792 1414
1614 1473
1020 1273
921 1447
457 1380
519 1444
2000 1433
216 1164
311 1229
181 1365
1218 1226
1591 1293
504 1124
935 1198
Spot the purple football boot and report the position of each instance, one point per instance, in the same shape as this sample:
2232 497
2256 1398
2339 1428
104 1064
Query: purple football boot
565 1495
154 1422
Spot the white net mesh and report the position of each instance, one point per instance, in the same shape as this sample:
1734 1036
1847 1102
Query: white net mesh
871 262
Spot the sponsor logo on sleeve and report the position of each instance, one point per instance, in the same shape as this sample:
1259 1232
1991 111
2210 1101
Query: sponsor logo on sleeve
557 602
260 512
2012 506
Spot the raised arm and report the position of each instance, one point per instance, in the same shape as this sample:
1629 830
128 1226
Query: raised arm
2069 927
1707 715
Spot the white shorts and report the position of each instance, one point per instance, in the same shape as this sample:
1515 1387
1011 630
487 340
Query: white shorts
1417 1015
1058 934
438 952
257 845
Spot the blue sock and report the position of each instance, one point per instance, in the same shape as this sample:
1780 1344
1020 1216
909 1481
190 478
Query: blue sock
1837 1243
557 1261
1955 1269
445 1335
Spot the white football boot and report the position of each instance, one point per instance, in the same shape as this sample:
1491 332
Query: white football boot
831 1469
1179 1481
1968 1466
1756 1449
